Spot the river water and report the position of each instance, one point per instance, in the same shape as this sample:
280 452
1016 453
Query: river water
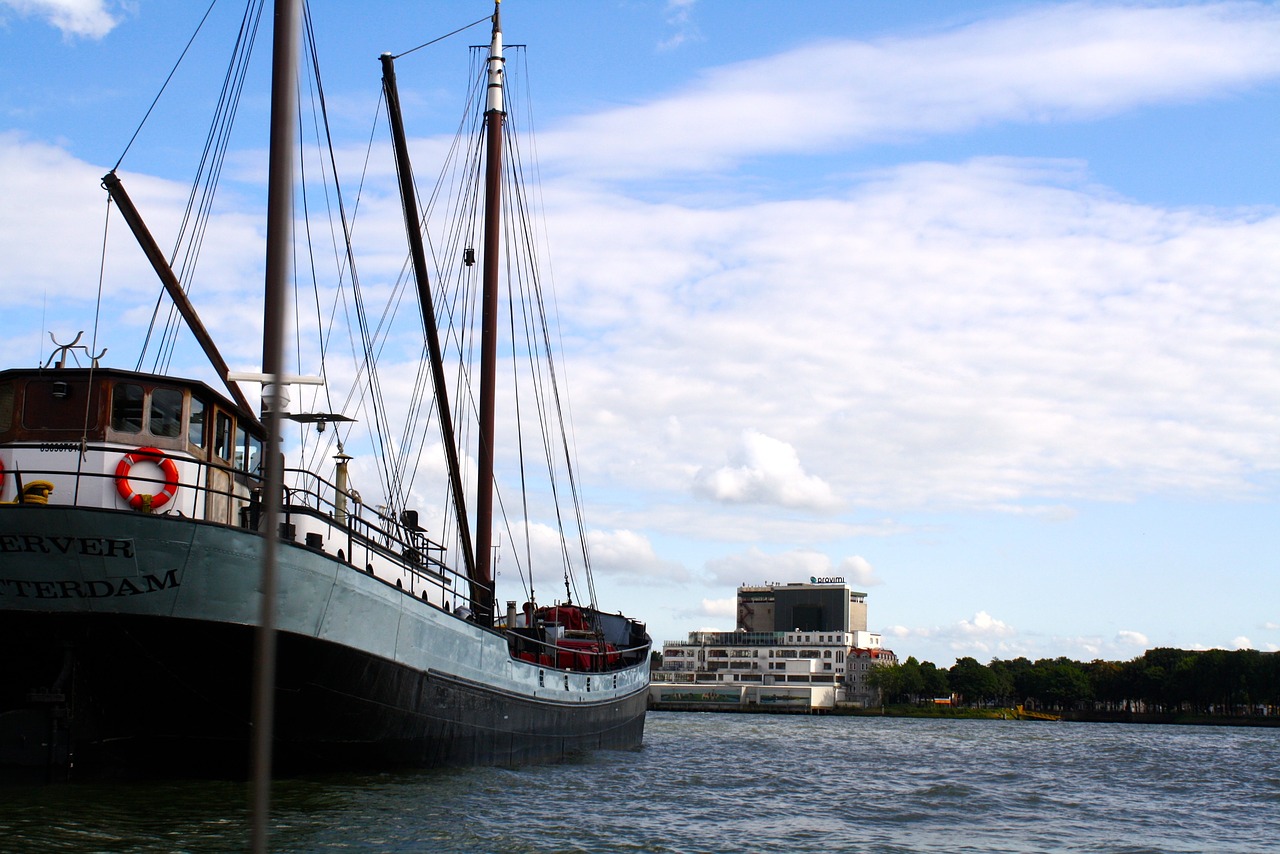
735 783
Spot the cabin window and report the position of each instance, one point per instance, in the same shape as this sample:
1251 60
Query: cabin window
126 408
222 435
195 423
248 450
6 406
253 455
166 412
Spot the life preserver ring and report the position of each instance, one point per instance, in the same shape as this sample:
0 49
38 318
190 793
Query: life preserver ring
138 500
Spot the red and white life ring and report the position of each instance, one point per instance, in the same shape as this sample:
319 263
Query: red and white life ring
138 500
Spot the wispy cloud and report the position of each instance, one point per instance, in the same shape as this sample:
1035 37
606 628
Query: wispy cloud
679 18
991 332
1131 638
755 566
982 636
1057 63
630 556
84 18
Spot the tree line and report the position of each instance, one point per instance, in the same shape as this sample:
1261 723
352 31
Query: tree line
1215 681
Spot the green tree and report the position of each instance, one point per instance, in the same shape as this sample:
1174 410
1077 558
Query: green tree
974 682
936 682
1063 683
912 685
1109 683
1014 676
887 679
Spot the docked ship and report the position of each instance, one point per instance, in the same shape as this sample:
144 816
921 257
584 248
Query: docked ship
134 519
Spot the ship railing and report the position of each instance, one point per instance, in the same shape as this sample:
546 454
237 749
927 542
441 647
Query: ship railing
368 533
588 654
363 537
89 483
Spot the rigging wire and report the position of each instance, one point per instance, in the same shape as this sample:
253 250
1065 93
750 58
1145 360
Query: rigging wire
454 305
458 191
540 337
209 169
93 347
443 37
164 85
563 406
322 135
212 179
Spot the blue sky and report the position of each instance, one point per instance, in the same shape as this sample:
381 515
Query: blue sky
976 305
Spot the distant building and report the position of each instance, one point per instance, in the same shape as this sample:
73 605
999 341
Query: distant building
797 647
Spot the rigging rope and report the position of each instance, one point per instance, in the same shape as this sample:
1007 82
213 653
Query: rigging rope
163 86
208 172
93 348
443 37
457 190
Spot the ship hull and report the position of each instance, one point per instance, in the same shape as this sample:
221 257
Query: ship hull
128 646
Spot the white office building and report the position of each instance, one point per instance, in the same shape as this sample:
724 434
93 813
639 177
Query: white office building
798 647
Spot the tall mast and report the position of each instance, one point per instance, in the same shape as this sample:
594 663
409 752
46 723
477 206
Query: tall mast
482 604
412 224
284 73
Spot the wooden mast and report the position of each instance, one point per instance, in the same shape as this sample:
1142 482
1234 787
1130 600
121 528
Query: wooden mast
417 252
284 72
482 604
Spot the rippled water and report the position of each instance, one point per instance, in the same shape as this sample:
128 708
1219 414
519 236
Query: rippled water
734 783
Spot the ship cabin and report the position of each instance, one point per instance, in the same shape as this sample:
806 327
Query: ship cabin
115 439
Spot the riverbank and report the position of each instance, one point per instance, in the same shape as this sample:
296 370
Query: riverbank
910 711
962 713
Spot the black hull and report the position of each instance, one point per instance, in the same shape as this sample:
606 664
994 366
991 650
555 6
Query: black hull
86 693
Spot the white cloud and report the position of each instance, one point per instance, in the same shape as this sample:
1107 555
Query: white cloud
720 608
983 625
1051 63
983 637
625 557
764 470
708 615
630 556
1242 642
755 566
68 224
858 572
679 16
992 333
1131 638
88 18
